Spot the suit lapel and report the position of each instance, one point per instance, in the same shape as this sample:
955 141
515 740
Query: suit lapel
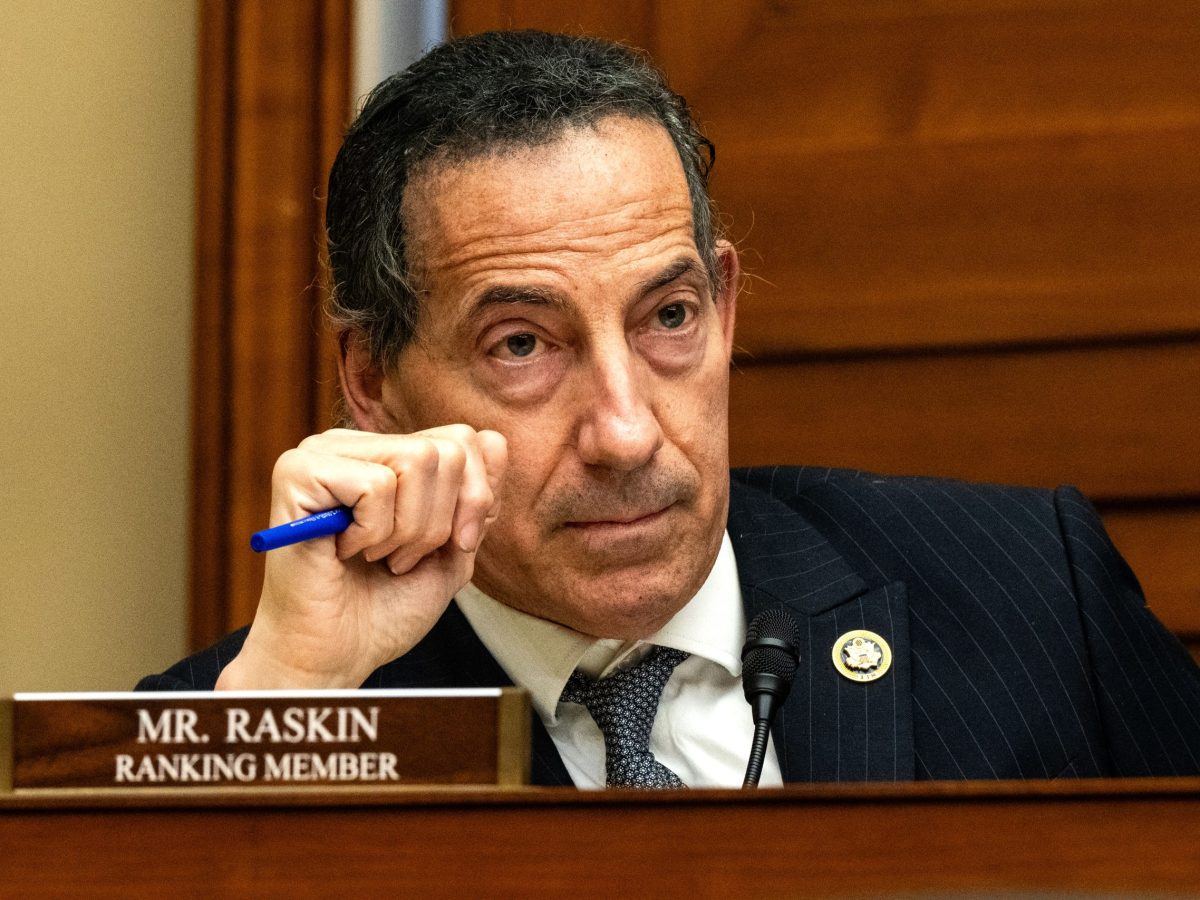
830 728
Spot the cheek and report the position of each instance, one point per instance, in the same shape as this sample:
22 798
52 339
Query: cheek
521 383
702 413
515 549
532 458
431 393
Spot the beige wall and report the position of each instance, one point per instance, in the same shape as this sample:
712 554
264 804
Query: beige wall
97 127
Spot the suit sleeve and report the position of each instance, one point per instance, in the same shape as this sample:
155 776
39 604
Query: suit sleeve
1146 685
198 672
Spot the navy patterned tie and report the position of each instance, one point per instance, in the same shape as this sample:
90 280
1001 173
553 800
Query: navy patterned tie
623 705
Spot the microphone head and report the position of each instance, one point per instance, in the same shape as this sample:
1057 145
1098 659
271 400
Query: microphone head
772 645
769 659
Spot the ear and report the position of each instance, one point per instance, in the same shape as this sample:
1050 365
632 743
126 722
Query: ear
730 272
362 384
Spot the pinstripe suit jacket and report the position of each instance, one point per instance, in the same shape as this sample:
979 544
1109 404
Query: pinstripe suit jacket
1022 647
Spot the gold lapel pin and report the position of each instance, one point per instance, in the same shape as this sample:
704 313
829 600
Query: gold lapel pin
862 655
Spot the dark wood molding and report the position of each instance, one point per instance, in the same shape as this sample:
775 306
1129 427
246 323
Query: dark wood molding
1088 838
274 97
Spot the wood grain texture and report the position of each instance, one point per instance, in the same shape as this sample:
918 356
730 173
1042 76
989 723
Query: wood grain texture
909 839
960 174
983 244
973 228
332 112
1162 545
274 95
1118 422
273 267
615 19
312 740
210 324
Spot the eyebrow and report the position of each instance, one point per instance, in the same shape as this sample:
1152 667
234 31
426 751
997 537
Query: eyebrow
678 269
504 294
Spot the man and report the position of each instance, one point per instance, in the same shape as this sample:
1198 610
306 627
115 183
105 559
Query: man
536 319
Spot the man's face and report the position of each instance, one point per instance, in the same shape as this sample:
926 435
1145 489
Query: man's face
566 307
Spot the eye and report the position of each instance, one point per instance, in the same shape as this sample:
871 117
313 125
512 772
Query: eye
505 344
521 344
673 316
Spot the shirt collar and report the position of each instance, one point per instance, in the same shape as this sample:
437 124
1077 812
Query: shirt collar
540 656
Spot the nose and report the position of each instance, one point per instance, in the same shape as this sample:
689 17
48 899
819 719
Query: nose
618 427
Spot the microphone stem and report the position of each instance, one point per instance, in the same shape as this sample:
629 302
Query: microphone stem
758 752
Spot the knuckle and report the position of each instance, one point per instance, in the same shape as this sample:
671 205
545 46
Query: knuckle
289 463
399 560
423 455
479 498
453 458
462 433
494 448
383 480
312 442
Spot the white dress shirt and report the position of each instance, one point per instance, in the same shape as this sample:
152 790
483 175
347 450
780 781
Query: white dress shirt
703 729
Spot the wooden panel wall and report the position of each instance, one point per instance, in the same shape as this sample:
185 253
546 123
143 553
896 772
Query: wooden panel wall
274 100
972 228
973 233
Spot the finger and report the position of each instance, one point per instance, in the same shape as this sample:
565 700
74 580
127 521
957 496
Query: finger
421 507
416 490
390 450
305 482
475 499
476 494
494 448
438 514
416 461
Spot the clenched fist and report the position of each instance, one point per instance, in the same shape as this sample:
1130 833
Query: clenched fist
334 609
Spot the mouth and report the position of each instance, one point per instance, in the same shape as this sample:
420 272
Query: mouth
618 522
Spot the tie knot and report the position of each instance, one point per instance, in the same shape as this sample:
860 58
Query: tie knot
624 705
639 686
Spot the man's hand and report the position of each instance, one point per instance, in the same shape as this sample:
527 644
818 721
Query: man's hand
334 609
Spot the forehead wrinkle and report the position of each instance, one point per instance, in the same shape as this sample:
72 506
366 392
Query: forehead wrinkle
616 193
515 227
507 252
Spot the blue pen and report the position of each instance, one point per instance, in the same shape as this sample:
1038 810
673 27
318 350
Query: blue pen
331 521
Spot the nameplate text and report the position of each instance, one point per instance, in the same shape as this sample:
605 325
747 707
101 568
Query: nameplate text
369 737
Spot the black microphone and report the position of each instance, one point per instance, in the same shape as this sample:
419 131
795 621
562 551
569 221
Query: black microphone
769 659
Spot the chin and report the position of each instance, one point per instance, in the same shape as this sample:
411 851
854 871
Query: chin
624 608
